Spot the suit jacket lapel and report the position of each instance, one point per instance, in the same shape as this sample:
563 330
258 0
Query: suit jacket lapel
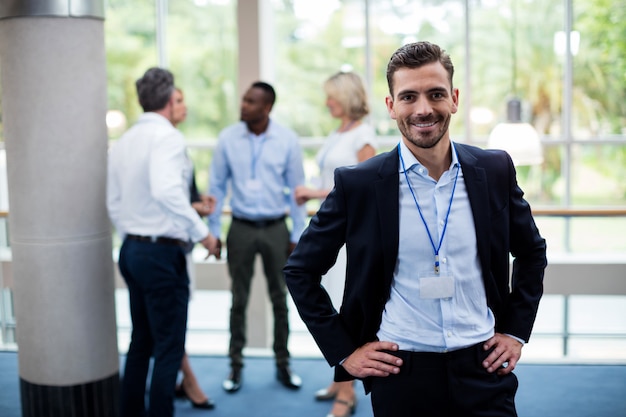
478 194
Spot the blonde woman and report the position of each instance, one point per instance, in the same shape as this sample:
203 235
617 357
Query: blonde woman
189 386
354 141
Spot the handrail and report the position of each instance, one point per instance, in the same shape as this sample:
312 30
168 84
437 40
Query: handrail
568 275
580 212
541 211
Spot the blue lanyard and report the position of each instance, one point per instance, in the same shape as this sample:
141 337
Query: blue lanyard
255 150
445 225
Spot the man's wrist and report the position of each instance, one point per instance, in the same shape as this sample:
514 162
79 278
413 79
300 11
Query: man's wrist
516 338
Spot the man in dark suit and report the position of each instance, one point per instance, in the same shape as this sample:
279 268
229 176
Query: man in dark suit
431 319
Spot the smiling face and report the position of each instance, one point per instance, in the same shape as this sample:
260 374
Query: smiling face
423 104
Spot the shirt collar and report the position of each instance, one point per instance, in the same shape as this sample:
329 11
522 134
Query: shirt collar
151 116
410 161
266 134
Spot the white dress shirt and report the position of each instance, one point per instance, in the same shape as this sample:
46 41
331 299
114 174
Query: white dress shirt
148 183
440 324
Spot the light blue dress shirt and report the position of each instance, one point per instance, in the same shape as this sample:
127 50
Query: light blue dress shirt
257 174
440 324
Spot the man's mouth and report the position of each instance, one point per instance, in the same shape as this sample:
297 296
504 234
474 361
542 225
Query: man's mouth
424 124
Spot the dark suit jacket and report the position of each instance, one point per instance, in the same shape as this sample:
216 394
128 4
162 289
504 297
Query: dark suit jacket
362 212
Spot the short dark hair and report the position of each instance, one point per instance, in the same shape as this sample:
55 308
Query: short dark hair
415 55
268 89
155 88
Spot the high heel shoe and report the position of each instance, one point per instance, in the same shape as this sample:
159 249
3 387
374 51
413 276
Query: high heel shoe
207 404
351 408
325 394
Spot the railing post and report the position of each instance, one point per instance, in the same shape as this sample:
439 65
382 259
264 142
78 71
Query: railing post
566 325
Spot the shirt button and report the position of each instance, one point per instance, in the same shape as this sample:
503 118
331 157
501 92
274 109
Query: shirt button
449 334
444 260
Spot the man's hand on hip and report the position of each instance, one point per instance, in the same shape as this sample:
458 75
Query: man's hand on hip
371 360
505 354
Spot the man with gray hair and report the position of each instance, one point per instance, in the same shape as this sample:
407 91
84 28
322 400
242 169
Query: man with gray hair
148 203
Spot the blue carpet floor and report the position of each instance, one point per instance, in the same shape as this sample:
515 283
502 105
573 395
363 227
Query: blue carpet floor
545 390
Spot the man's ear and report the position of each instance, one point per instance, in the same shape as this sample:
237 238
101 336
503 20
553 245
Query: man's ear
455 100
389 103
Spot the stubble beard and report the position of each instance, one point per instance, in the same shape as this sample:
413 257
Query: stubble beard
427 141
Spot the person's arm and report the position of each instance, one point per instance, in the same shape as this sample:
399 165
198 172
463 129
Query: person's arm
304 194
340 337
365 153
366 143
314 255
219 175
528 249
294 177
529 252
205 205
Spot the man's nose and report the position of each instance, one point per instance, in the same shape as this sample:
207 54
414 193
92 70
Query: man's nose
422 106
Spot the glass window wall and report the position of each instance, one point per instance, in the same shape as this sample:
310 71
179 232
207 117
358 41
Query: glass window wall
501 49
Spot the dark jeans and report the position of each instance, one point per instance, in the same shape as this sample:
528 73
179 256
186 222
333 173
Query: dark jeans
158 287
452 384
244 241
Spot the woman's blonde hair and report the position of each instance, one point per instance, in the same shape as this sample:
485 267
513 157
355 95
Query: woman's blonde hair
347 88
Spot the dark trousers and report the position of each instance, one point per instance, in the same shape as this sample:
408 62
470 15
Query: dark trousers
452 384
158 287
244 241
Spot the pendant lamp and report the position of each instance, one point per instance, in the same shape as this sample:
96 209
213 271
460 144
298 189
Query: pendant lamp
519 139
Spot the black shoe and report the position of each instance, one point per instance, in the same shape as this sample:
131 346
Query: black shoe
288 378
233 382
209 404
179 391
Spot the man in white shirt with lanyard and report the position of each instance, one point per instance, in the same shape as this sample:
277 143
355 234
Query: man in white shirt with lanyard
431 319
148 203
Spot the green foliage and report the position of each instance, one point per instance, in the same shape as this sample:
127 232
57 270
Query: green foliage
202 53
130 37
201 50
601 70
202 47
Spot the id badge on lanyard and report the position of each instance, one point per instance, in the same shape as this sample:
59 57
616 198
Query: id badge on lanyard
436 286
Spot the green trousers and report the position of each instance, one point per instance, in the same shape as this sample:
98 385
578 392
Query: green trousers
244 241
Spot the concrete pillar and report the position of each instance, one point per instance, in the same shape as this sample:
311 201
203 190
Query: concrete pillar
255 33
53 82
252 31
